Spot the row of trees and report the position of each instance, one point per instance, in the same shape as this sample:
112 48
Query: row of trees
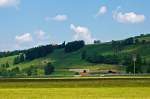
42 51
16 52
6 65
9 53
117 46
5 71
19 59
129 41
139 62
38 52
33 70
100 59
126 60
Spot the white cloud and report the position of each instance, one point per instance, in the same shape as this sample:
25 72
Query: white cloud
9 3
38 37
130 17
40 34
59 18
41 37
102 10
24 38
82 33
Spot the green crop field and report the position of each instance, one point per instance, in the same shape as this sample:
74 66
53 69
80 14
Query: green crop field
76 93
77 88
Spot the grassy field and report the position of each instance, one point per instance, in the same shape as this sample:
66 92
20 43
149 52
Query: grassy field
75 82
76 93
79 88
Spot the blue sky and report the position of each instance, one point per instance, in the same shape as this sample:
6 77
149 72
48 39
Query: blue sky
28 23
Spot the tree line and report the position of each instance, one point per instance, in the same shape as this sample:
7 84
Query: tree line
74 46
124 60
42 51
5 71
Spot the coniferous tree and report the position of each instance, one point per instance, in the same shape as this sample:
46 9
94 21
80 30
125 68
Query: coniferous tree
7 64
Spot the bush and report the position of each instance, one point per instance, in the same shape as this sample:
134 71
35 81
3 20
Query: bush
49 68
95 58
31 71
13 72
3 71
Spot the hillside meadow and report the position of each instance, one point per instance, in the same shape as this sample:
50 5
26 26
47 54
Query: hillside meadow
61 60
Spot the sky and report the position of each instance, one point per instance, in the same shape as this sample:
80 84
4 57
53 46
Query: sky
28 23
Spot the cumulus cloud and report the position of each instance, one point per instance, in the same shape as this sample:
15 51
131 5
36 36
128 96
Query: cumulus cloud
36 38
40 34
9 3
60 18
82 33
130 17
41 37
102 10
27 37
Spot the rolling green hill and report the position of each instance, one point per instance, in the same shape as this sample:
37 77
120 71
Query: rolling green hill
63 61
